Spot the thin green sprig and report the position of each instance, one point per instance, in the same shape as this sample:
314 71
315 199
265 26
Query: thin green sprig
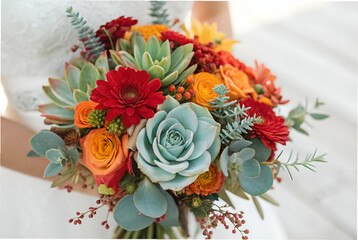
307 162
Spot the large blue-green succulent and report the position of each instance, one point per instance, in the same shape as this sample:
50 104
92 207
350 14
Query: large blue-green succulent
178 144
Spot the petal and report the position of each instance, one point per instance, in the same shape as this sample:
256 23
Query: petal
153 123
113 112
185 116
169 104
206 132
145 148
155 174
178 183
215 148
172 168
199 110
198 165
200 148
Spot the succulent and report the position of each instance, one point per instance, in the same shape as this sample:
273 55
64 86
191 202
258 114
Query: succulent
245 158
156 58
80 78
148 203
50 145
178 144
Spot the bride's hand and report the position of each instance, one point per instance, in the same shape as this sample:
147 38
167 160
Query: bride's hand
15 144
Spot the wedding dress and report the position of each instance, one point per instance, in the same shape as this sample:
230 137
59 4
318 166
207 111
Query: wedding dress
36 42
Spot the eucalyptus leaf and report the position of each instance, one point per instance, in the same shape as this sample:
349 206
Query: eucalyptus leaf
318 116
262 153
45 140
32 153
172 214
236 146
55 155
150 200
258 207
127 215
259 185
53 169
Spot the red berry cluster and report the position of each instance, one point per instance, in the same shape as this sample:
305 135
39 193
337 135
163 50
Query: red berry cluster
180 92
219 216
68 188
110 201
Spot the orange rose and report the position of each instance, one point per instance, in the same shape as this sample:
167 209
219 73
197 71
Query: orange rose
203 86
237 82
82 110
106 156
207 182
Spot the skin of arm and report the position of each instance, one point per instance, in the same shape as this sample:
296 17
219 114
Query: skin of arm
213 11
15 138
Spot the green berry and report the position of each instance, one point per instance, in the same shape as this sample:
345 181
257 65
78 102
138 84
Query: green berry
116 126
97 117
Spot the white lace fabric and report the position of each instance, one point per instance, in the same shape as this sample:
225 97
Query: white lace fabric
37 37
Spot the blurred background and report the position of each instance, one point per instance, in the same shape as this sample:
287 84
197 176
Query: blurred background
312 49
311 46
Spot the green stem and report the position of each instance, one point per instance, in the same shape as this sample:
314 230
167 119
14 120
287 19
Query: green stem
136 234
171 233
127 235
150 231
117 232
109 36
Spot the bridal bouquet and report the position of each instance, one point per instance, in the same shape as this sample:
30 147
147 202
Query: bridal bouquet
164 122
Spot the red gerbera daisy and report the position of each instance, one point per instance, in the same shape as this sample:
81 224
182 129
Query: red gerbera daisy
128 92
272 129
116 29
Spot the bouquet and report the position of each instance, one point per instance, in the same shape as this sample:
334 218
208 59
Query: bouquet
163 123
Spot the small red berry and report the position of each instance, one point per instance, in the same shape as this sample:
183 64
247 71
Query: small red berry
70 221
98 201
226 227
190 79
171 88
79 221
78 213
187 95
180 90
234 231
243 221
192 92
90 216
104 222
178 96
107 226
246 231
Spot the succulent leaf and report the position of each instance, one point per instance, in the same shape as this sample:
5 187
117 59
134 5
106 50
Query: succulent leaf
80 96
102 62
165 63
152 46
54 110
164 51
61 90
88 77
137 39
156 71
72 75
53 97
138 57
124 45
147 61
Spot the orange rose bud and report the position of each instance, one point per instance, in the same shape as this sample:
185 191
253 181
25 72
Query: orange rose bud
266 101
105 155
207 182
237 81
180 90
203 86
82 110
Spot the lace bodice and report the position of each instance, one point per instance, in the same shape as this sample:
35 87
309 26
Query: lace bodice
37 37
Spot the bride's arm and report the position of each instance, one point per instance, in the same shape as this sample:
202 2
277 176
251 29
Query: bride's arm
15 144
213 11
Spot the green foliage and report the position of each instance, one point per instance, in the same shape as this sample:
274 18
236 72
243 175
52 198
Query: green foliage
307 162
234 120
202 210
150 200
52 146
86 34
297 116
159 13
116 126
97 118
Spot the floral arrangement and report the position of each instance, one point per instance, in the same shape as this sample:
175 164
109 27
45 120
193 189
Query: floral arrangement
163 123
